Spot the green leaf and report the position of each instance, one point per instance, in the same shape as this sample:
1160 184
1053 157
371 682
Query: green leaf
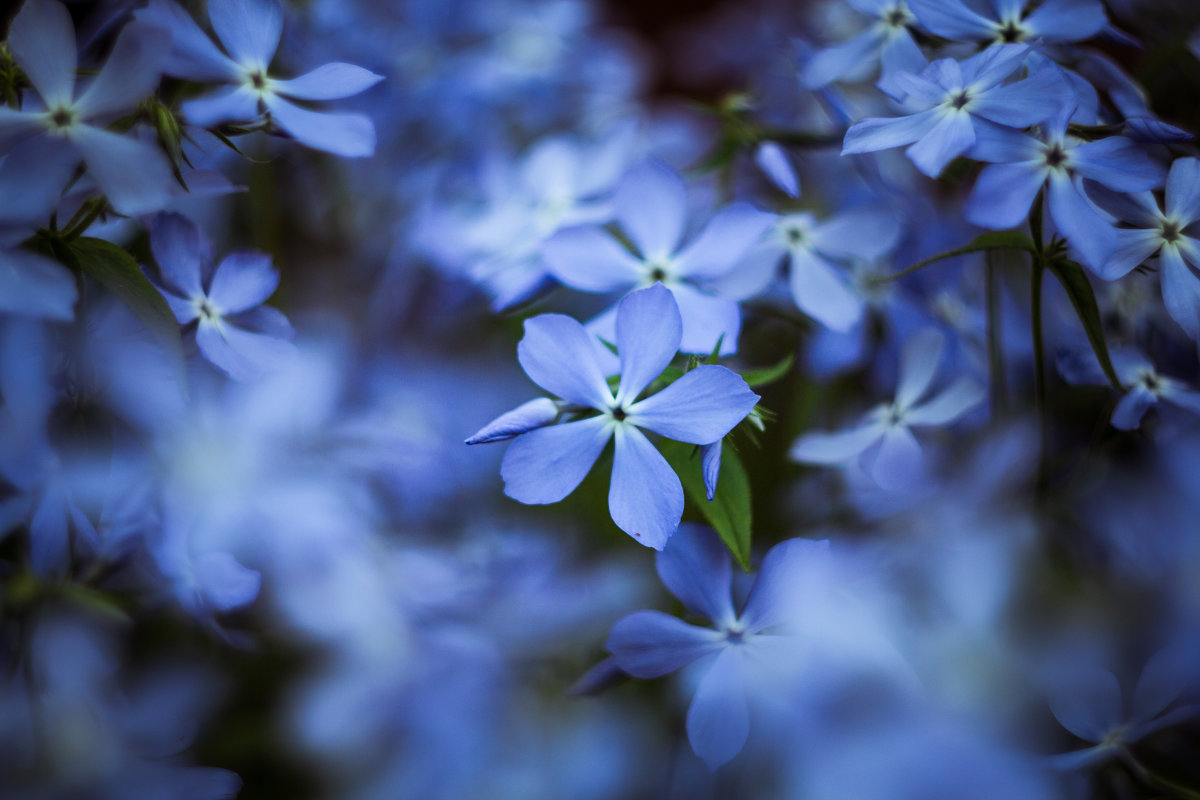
1079 289
115 270
729 512
992 240
762 377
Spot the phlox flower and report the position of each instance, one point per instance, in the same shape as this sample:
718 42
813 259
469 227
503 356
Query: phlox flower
134 175
249 30
650 203
887 40
1145 386
740 646
545 463
233 330
1012 21
883 441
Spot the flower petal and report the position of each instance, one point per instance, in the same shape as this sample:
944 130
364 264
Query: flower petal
950 138
1080 221
821 293
962 396
649 644
328 82
243 281
791 571
694 566
718 721
183 253
1003 194
648 332
546 464
522 419
134 175
918 364
699 408
249 29
130 74
650 202
235 104
1183 190
36 286
241 354
193 55
348 135
1087 702
707 318
774 163
899 464
587 258
879 133
834 448
645 497
710 468
42 40
225 583
832 63
724 240
559 355
1134 246
858 233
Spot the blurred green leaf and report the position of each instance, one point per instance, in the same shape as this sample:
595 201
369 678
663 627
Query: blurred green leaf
767 375
729 512
1079 289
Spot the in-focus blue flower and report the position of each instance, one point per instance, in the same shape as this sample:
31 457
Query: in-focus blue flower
233 329
645 498
1022 165
1144 386
950 100
887 39
1012 21
134 175
695 567
1154 230
249 30
883 440
650 203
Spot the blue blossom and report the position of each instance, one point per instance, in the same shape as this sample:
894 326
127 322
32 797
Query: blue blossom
249 30
650 203
1145 387
887 40
645 498
739 646
883 441
949 101
232 328
1154 230
134 175
1022 165
774 163
1012 21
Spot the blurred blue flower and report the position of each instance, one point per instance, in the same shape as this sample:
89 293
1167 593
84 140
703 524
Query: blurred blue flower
888 40
1145 387
1011 21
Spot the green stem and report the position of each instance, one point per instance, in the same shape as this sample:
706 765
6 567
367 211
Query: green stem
995 347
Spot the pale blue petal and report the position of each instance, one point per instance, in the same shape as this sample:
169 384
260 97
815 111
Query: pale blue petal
1183 190
1139 208
952 20
921 88
1127 416
1087 702
1066 20
710 468
918 364
36 286
589 259
707 318
17 126
32 178
950 138
130 74
347 135
899 53
963 395
264 319
718 720
134 175
328 82
249 29
1078 219
1134 246
869 135
989 68
1179 395
183 253
724 240
243 281
790 570
559 355
1166 676
1003 194
1180 290
193 54
834 448
822 293
645 497
699 408
224 582
997 144
774 163
241 354
525 417
1024 103
754 272
649 644
648 332
1118 163
546 464
42 40
860 233
650 203
899 465
695 567
832 63
235 104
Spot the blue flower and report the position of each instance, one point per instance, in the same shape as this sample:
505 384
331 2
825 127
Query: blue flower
249 30
134 175
1144 386
695 568
650 203
887 39
950 101
1022 165
545 464
884 440
1012 21
233 330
